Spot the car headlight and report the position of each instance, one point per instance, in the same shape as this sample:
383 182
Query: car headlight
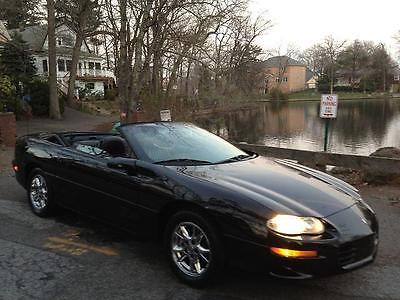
293 225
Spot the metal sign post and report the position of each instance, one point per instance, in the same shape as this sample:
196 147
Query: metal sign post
328 111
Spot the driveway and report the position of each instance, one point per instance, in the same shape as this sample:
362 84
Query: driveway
73 120
70 257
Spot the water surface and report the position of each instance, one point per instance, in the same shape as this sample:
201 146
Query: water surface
362 126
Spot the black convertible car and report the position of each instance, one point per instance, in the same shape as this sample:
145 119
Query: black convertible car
208 201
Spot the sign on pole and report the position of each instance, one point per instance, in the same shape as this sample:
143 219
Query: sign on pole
329 105
165 115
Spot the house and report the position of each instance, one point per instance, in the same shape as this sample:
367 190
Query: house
284 73
396 76
395 88
4 35
91 75
311 80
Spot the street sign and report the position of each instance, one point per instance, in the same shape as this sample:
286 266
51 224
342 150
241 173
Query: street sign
165 115
329 105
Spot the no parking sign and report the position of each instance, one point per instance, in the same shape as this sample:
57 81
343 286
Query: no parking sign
329 105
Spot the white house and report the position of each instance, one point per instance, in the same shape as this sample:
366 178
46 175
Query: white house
4 36
311 80
91 75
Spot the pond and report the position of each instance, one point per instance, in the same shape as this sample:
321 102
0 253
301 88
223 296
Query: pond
362 126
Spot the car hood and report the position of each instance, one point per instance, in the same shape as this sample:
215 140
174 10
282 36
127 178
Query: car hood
281 185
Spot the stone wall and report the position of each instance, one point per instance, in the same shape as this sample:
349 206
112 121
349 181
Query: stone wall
8 129
372 165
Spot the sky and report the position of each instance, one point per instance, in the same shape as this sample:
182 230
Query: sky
304 23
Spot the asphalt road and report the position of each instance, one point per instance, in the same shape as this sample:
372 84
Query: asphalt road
69 257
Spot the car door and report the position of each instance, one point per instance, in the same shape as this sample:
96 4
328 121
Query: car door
78 186
126 190
92 187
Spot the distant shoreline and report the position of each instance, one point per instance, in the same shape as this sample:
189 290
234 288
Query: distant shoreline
374 97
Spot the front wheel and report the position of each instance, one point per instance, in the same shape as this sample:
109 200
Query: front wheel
40 194
193 248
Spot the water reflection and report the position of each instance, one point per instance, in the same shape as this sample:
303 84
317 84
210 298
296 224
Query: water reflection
362 126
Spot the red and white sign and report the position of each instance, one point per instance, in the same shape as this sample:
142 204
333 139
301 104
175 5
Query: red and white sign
329 105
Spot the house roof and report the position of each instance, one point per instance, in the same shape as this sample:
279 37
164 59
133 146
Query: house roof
278 61
68 52
35 37
309 74
4 36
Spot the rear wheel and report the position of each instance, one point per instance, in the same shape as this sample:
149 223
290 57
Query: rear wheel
193 248
40 194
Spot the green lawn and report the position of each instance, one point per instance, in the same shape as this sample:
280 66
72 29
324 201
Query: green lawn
314 95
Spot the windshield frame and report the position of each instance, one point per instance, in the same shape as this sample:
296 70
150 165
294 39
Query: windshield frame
141 154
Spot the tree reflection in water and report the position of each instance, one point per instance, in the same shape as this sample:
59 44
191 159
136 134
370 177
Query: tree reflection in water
362 126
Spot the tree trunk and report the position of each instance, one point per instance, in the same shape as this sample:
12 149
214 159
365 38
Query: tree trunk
107 53
123 76
76 52
54 109
74 68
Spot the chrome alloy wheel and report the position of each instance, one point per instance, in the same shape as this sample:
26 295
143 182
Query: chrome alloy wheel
190 249
38 192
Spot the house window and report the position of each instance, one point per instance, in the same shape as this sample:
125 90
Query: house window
89 85
397 77
59 41
68 64
68 40
284 79
61 65
98 66
45 66
277 79
91 65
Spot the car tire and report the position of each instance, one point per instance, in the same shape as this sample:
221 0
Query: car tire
40 195
193 248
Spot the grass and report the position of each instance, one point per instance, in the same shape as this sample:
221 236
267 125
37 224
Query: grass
315 95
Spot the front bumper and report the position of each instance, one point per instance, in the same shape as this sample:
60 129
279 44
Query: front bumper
351 242
331 259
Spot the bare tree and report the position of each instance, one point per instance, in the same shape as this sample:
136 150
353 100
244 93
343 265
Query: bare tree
84 18
315 59
332 49
354 59
51 36
163 44
397 39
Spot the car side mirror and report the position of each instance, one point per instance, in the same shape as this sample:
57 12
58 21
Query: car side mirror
122 163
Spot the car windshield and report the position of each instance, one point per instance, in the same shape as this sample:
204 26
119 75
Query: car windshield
179 144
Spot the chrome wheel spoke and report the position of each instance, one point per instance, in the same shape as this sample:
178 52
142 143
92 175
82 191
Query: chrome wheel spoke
179 236
204 258
197 237
178 248
185 233
202 249
197 266
182 257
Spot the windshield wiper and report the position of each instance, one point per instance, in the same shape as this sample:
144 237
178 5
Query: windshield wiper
236 158
183 160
